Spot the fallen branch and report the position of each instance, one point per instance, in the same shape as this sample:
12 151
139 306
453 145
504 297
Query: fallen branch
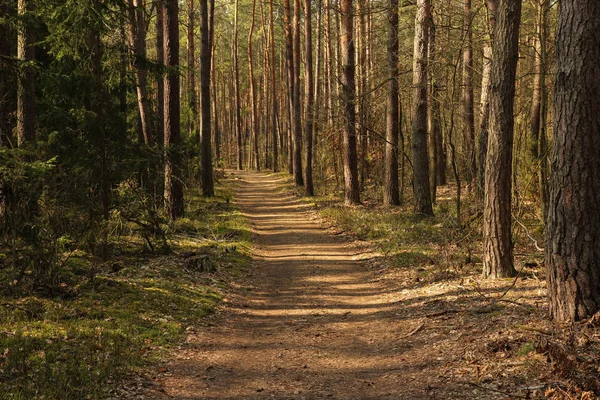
511 395
533 329
417 329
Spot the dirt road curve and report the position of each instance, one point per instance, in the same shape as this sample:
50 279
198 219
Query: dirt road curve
310 323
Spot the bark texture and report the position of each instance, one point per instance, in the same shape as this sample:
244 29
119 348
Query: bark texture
297 123
351 188
205 61
172 120
573 230
420 149
309 94
391 192
497 240
26 79
467 94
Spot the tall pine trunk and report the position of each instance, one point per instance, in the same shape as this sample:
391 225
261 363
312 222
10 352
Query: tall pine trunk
351 188
297 123
497 239
172 152
26 79
205 61
420 151
309 119
391 192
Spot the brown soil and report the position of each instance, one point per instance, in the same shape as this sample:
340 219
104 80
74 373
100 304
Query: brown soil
321 317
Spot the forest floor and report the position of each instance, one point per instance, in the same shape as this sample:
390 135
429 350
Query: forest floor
324 315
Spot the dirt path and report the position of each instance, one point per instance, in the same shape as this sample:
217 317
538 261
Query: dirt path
311 322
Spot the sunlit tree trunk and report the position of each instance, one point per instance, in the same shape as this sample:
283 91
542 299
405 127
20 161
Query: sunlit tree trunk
253 109
26 79
160 59
236 79
297 123
438 163
191 69
273 90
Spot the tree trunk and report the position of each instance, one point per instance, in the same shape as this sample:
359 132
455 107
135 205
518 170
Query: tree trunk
573 230
137 42
352 194
497 240
160 59
391 193
6 80
205 61
420 151
297 123
238 105
253 112
26 79
309 120
273 90
192 113
172 152
467 94
492 8
538 147
438 163
289 61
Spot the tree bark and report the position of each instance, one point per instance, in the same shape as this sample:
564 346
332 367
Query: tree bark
573 230
352 194
309 120
238 105
467 94
160 59
205 135
289 61
484 111
273 90
192 113
6 80
420 151
253 108
26 80
391 192
172 153
297 123
497 240
137 43
438 162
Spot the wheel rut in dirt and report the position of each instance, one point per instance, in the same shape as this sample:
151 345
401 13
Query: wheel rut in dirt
309 322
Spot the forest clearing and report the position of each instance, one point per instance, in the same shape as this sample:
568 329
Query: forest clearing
299 199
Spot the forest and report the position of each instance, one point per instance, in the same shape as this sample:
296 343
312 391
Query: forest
160 160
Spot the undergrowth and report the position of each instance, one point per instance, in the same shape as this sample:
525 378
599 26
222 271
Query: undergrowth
113 316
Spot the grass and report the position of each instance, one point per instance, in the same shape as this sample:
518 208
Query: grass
119 315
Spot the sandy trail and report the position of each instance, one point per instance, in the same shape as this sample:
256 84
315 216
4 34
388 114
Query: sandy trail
310 322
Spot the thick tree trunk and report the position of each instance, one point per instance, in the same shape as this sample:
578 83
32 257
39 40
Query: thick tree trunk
420 151
205 61
26 79
172 154
573 230
309 121
297 123
352 194
391 192
497 240
467 94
